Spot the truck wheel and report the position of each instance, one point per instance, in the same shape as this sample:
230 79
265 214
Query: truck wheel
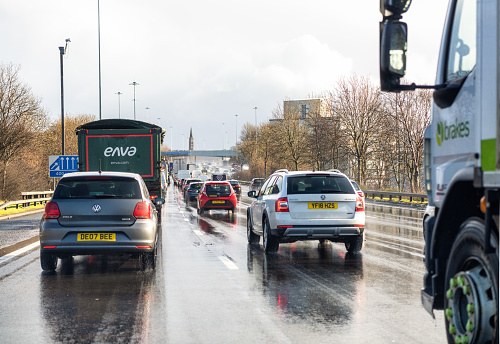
471 286
48 261
356 244
271 243
253 239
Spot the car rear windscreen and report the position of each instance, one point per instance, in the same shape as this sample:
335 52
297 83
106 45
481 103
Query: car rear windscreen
319 184
97 187
218 190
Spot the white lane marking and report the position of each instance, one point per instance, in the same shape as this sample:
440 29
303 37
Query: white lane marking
197 232
228 263
14 254
397 249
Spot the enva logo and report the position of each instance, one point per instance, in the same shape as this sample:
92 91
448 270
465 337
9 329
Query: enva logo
120 151
450 132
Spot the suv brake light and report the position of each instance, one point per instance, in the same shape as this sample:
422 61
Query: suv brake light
142 210
281 205
360 205
52 210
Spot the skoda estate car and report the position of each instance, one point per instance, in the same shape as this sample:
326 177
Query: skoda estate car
94 213
304 205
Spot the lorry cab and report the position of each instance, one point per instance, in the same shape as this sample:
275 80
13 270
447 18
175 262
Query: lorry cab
461 162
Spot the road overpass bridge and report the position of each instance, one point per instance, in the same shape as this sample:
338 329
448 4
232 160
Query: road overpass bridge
223 153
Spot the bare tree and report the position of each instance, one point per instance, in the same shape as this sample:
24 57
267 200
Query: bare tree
21 118
410 112
357 103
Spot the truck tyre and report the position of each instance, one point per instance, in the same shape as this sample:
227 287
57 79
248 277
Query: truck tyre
471 287
356 244
48 261
271 243
253 239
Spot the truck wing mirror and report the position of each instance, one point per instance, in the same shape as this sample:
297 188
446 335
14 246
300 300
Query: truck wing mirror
393 43
394 7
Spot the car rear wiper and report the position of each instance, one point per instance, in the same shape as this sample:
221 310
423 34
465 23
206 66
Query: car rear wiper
108 196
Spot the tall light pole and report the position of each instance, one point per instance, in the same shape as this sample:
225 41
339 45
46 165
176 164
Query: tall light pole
62 51
134 84
224 139
236 134
119 103
171 147
255 108
147 114
99 43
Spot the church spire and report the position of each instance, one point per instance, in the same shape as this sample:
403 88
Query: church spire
191 140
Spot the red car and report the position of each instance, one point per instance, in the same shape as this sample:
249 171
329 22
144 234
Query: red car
216 195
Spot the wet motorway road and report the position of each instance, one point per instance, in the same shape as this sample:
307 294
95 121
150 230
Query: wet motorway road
210 287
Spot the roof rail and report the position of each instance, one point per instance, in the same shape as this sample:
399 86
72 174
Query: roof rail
281 170
333 170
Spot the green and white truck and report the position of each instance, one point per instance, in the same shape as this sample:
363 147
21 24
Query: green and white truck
122 145
461 161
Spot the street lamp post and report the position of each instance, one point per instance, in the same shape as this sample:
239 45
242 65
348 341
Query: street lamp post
119 103
236 132
171 147
99 48
134 84
62 51
224 139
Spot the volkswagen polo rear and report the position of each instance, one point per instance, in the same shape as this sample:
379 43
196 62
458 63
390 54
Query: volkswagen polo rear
98 213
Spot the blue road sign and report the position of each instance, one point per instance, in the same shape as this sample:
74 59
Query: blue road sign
61 164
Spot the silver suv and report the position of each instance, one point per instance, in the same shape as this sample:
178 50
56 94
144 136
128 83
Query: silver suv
305 205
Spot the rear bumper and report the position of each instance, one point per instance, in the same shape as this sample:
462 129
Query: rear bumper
334 233
76 250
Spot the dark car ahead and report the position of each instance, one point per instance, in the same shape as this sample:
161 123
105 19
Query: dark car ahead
236 186
94 213
193 190
256 184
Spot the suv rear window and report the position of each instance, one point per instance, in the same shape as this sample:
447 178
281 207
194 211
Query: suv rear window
319 184
97 187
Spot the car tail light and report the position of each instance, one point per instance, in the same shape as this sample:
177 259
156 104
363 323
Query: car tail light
361 193
52 210
282 205
360 205
142 210
153 196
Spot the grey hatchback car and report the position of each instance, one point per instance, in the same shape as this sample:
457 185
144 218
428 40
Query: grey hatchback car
92 213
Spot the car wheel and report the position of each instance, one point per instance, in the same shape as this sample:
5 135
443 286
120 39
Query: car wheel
48 261
271 243
253 239
471 286
356 244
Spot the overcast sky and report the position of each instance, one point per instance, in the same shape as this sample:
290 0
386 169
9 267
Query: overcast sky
201 62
